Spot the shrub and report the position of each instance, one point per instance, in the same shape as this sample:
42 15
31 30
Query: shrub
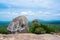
49 29
36 28
39 30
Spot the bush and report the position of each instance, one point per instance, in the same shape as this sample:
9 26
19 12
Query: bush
49 29
38 28
3 29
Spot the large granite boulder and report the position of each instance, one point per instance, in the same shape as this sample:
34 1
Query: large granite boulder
18 25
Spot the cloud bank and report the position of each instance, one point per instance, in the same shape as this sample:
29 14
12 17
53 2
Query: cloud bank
32 9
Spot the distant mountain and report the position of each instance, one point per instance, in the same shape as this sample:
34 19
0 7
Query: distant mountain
50 21
4 22
41 21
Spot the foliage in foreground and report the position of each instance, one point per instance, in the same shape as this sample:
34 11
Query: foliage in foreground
3 29
37 28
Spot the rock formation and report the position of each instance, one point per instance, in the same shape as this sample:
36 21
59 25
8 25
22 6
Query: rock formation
29 37
18 25
35 20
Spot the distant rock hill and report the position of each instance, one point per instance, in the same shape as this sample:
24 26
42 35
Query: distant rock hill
41 21
25 36
50 21
4 22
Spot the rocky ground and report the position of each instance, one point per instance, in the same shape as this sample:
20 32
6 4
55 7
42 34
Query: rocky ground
25 36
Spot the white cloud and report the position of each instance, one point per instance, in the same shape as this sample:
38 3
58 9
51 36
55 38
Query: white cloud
33 3
30 13
45 15
57 14
52 6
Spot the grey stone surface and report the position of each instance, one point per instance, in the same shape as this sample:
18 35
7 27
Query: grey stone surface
26 36
18 25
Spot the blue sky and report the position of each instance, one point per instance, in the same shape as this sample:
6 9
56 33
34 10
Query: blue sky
32 9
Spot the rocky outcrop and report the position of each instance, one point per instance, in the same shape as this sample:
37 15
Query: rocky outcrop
18 25
35 20
29 37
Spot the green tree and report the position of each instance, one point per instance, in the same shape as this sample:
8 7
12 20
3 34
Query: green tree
36 27
39 30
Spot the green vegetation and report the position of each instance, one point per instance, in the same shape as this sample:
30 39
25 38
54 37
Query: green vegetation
35 27
3 29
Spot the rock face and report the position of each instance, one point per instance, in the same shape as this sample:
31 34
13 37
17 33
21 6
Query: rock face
18 25
29 37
